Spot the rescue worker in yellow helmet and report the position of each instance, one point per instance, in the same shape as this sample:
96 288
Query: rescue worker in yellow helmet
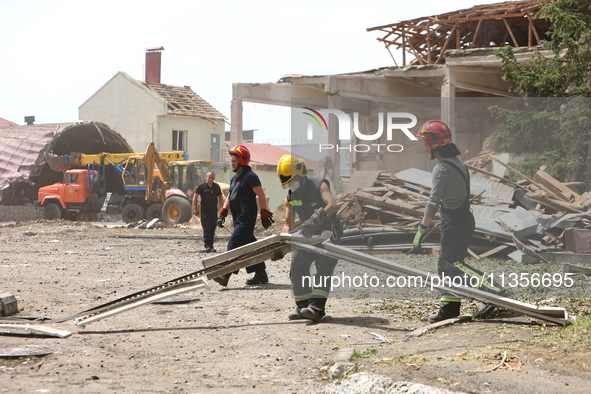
450 193
314 204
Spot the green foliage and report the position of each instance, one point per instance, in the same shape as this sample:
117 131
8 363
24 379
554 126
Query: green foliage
557 130
363 354
565 74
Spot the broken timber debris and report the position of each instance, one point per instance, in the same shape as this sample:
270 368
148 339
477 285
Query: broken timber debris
513 219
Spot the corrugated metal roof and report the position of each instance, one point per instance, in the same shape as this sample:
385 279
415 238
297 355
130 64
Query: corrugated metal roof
184 101
22 148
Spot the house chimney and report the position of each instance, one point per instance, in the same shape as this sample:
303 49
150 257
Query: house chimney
153 64
29 120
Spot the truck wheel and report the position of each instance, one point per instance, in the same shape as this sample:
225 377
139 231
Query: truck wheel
154 211
132 213
177 210
52 212
99 186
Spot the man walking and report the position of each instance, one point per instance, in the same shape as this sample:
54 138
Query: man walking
211 194
245 187
450 193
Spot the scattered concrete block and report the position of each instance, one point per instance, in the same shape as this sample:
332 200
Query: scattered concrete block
344 354
339 369
8 305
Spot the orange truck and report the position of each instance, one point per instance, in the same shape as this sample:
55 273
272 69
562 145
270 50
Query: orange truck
79 197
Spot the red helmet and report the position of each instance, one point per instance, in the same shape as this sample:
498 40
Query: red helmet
436 133
242 153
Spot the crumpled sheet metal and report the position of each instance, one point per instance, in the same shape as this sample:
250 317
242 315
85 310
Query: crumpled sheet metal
23 148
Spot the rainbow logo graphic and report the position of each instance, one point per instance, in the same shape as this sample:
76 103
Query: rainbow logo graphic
318 115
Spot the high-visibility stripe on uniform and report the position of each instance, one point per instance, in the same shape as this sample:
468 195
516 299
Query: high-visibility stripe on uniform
303 297
296 203
318 293
450 298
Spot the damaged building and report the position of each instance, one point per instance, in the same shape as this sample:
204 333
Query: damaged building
453 76
23 149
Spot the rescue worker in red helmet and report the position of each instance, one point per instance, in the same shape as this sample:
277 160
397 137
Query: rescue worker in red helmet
450 193
245 186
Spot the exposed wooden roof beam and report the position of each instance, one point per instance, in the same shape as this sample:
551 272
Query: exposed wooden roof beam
451 33
515 44
476 34
532 27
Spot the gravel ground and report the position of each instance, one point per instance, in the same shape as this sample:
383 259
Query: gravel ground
238 339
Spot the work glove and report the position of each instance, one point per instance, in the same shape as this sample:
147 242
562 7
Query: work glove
419 236
222 217
266 218
310 226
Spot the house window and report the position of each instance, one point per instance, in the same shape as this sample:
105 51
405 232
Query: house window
179 140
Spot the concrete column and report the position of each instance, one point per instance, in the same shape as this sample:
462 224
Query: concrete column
448 100
334 102
236 123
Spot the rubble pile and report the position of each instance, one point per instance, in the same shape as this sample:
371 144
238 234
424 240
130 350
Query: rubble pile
531 220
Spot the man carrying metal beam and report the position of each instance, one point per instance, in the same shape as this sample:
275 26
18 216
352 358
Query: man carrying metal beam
245 186
450 192
312 201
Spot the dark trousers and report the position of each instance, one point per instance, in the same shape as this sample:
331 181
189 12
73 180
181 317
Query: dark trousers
244 234
306 286
208 222
457 227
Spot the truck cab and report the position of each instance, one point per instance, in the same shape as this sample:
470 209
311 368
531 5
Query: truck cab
76 197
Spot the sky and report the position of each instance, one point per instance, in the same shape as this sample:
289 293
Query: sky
55 54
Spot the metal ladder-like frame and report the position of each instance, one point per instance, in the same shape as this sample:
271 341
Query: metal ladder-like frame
267 248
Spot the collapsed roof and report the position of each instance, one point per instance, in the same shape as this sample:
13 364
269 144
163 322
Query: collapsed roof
23 149
484 26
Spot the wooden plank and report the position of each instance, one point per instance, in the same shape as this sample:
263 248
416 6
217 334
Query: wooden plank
396 206
557 204
493 251
526 178
582 200
386 196
491 175
556 186
471 253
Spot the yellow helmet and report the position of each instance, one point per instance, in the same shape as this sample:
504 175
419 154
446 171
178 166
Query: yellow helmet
288 167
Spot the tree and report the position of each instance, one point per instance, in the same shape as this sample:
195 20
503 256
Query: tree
558 126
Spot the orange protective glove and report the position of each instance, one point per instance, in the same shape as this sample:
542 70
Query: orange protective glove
223 213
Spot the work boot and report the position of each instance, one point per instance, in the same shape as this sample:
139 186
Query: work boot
448 310
259 278
484 309
312 313
223 279
295 315
315 309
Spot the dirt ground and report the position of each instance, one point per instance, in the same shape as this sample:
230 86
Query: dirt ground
238 339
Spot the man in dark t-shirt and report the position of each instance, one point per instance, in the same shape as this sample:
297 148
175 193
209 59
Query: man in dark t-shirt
210 193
